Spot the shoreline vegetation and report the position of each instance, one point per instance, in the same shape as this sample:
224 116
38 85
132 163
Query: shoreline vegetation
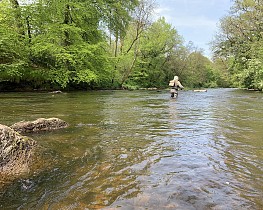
89 45
56 91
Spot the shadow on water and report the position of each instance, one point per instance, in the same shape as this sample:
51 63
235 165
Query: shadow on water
142 150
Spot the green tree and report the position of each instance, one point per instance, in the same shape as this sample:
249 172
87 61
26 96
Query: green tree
68 45
199 71
13 48
222 75
159 43
129 45
59 42
241 42
95 44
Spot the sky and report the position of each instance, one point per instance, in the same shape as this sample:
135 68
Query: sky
194 20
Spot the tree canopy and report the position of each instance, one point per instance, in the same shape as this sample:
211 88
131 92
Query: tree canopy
95 44
240 44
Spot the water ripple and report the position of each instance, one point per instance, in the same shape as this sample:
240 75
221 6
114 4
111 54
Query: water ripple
143 150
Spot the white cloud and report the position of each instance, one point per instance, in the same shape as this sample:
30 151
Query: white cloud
162 10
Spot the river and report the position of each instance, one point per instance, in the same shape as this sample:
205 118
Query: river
142 150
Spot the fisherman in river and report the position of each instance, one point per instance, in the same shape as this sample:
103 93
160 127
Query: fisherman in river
175 84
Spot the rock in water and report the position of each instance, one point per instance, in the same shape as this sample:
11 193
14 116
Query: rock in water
15 151
40 124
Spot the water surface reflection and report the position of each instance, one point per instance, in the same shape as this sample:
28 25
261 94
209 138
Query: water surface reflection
141 149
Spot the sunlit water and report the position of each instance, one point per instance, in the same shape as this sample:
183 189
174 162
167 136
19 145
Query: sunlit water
142 150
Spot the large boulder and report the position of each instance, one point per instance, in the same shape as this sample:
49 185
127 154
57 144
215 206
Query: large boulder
15 151
40 124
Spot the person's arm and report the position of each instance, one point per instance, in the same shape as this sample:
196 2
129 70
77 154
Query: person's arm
180 85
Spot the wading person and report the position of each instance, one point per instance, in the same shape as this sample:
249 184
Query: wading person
175 84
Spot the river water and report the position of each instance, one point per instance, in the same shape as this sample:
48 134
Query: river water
142 150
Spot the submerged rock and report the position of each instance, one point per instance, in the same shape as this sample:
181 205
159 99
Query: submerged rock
19 155
40 124
15 151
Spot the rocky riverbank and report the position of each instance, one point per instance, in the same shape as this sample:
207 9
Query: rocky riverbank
17 152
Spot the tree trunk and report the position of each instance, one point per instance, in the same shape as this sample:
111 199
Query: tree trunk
18 17
67 21
28 29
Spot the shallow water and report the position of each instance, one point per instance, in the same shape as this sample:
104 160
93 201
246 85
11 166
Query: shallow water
142 150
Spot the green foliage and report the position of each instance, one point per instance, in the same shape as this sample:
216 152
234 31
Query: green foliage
78 63
69 44
241 42
13 49
63 45
198 71
155 46
221 72
252 77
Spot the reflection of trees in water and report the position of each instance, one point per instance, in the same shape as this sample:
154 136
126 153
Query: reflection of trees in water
142 151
